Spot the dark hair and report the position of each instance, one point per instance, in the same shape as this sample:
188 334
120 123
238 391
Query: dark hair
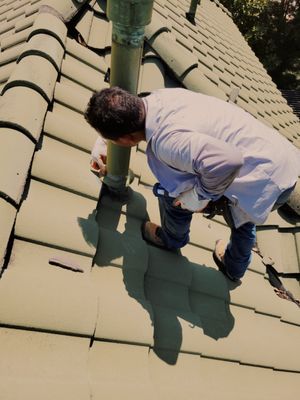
114 112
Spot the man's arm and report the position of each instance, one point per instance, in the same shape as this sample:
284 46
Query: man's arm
216 163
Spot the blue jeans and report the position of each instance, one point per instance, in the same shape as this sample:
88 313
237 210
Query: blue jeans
175 228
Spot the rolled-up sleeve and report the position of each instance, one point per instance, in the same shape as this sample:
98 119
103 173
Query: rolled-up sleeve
214 162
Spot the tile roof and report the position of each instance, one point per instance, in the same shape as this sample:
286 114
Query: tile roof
87 308
293 99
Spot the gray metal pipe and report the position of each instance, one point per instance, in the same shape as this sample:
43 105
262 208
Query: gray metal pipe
129 19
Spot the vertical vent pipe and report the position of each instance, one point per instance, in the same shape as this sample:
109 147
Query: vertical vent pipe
129 19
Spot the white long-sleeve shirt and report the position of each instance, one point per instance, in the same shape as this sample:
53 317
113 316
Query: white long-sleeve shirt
194 140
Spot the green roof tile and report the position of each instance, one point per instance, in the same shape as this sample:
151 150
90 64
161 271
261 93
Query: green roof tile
179 64
84 25
24 109
70 127
70 294
122 318
114 373
68 96
7 69
67 159
82 73
7 214
98 32
63 359
67 211
83 54
13 40
14 170
34 72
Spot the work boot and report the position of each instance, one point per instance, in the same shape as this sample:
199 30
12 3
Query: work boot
218 256
149 233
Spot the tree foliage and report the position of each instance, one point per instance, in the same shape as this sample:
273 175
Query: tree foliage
272 29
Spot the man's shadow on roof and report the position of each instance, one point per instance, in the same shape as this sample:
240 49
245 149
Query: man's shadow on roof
180 293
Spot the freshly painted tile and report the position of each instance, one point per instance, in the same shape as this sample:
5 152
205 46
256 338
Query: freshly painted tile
119 371
108 37
169 333
211 75
147 177
24 107
31 10
83 74
205 232
45 20
269 243
25 23
124 313
7 217
7 26
158 24
14 14
170 267
262 347
113 213
13 166
66 126
15 39
37 71
46 45
68 224
152 76
288 246
76 86
99 27
44 297
67 8
177 57
6 70
71 169
160 9
150 200
113 255
38 365
10 55
137 162
83 54
175 376
234 380
84 25
122 216
196 81
257 293
43 258
70 97
21 3
164 293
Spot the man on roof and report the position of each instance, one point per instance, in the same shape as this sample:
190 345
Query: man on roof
200 149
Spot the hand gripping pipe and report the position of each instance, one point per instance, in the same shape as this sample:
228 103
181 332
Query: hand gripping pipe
129 18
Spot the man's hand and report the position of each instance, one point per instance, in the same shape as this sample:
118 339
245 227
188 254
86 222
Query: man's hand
99 166
98 162
189 201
